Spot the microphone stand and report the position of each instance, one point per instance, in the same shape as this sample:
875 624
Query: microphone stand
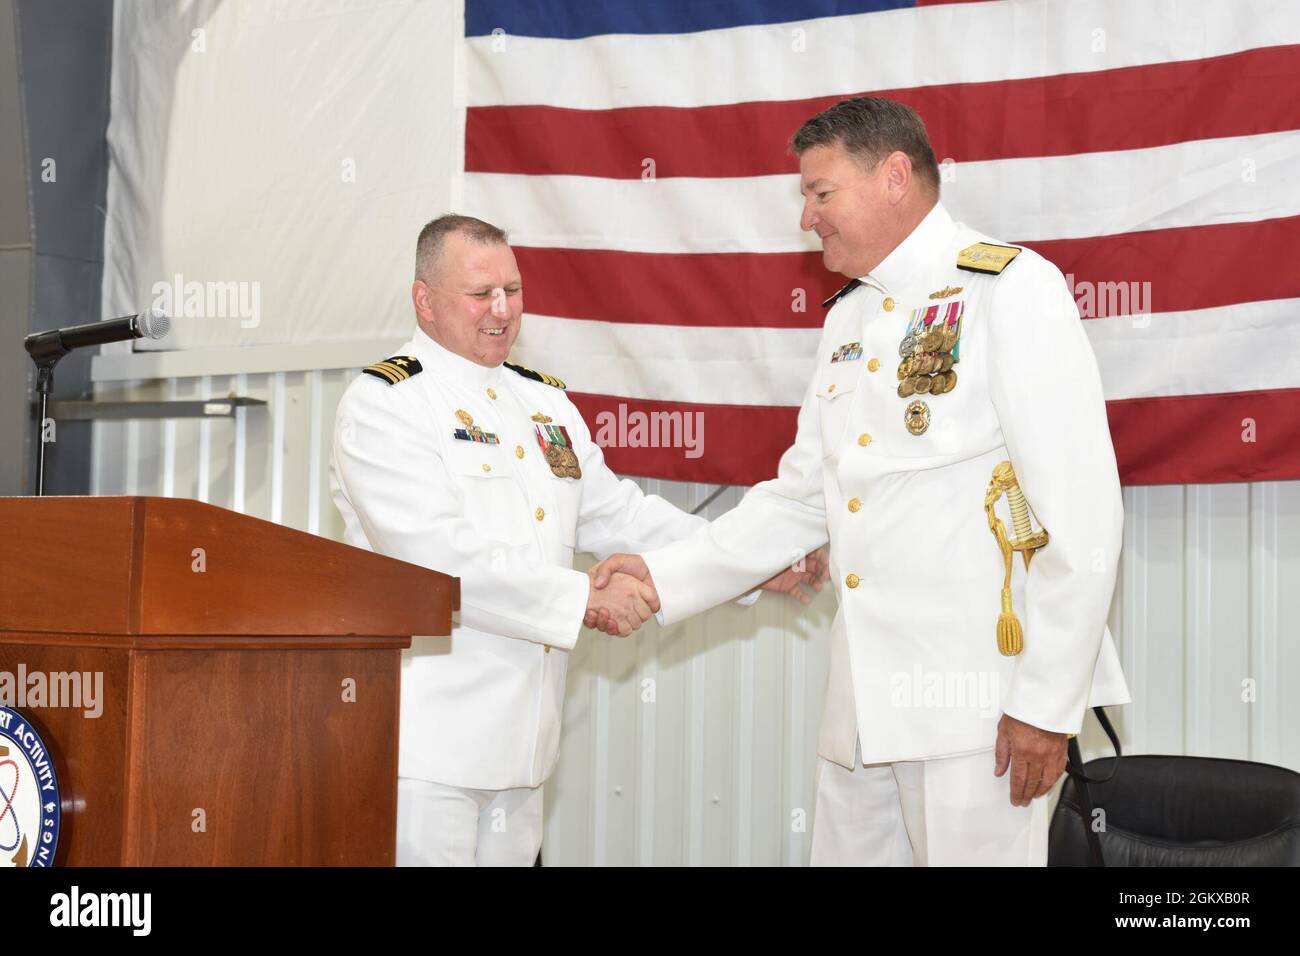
46 348
46 355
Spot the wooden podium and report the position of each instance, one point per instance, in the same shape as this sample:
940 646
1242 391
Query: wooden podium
250 679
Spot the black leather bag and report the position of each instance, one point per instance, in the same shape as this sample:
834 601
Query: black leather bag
1175 811
1080 802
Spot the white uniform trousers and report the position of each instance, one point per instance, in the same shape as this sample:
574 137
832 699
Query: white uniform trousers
439 825
946 812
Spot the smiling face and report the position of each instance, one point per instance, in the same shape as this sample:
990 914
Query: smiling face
473 303
857 211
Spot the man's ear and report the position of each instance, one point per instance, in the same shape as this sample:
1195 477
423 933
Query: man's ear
422 299
898 175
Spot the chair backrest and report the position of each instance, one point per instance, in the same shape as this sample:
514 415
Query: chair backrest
1183 811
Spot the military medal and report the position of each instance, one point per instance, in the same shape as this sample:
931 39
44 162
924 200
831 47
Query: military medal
917 417
472 432
848 352
557 449
930 348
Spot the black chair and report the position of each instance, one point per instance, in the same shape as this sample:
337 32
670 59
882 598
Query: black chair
1179 811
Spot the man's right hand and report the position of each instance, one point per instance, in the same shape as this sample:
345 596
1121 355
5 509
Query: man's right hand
632 564
619 603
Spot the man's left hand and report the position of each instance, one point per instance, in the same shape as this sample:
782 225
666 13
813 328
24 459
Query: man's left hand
812 572
1036 757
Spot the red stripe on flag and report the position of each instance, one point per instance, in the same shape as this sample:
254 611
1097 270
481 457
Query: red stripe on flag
740 445
1196 267
1185 439
1199 439
1192 267
740 289
1238 94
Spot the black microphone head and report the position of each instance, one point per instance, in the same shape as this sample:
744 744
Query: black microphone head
153 324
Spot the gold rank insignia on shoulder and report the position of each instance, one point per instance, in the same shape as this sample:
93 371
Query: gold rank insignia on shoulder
396 369
946 292
843 291
542 377
987 257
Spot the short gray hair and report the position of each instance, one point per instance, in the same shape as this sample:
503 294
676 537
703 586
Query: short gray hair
869 128
428 247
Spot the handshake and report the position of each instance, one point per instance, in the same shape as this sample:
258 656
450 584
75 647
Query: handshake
621 595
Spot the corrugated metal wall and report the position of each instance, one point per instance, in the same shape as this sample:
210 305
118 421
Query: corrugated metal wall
696 744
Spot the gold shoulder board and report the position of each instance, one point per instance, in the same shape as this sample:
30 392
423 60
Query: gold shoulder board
396 369
542 377
986 257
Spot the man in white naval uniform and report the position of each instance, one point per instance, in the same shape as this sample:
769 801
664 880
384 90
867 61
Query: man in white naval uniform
913 751
446 457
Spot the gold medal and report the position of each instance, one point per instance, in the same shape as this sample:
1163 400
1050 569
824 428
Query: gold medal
946 364
562 461
917 417
555 458
931 340
906 388
923 384
572 469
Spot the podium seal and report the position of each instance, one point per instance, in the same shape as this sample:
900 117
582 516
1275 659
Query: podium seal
29 795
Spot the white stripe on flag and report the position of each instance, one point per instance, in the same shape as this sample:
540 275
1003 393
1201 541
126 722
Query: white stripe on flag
877 51
1013 200
1201 352
733 366
1238 348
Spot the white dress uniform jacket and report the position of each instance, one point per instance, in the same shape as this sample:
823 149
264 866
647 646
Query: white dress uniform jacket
914 664
481 709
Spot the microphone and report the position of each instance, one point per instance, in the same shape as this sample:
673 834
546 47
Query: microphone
56 343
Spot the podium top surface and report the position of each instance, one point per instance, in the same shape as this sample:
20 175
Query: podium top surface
174 566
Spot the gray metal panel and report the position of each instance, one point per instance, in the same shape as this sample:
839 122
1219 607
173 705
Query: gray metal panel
15 263
66 62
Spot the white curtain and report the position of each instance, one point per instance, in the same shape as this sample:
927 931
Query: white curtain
272 162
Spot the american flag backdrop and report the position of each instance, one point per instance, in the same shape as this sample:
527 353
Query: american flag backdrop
636 152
